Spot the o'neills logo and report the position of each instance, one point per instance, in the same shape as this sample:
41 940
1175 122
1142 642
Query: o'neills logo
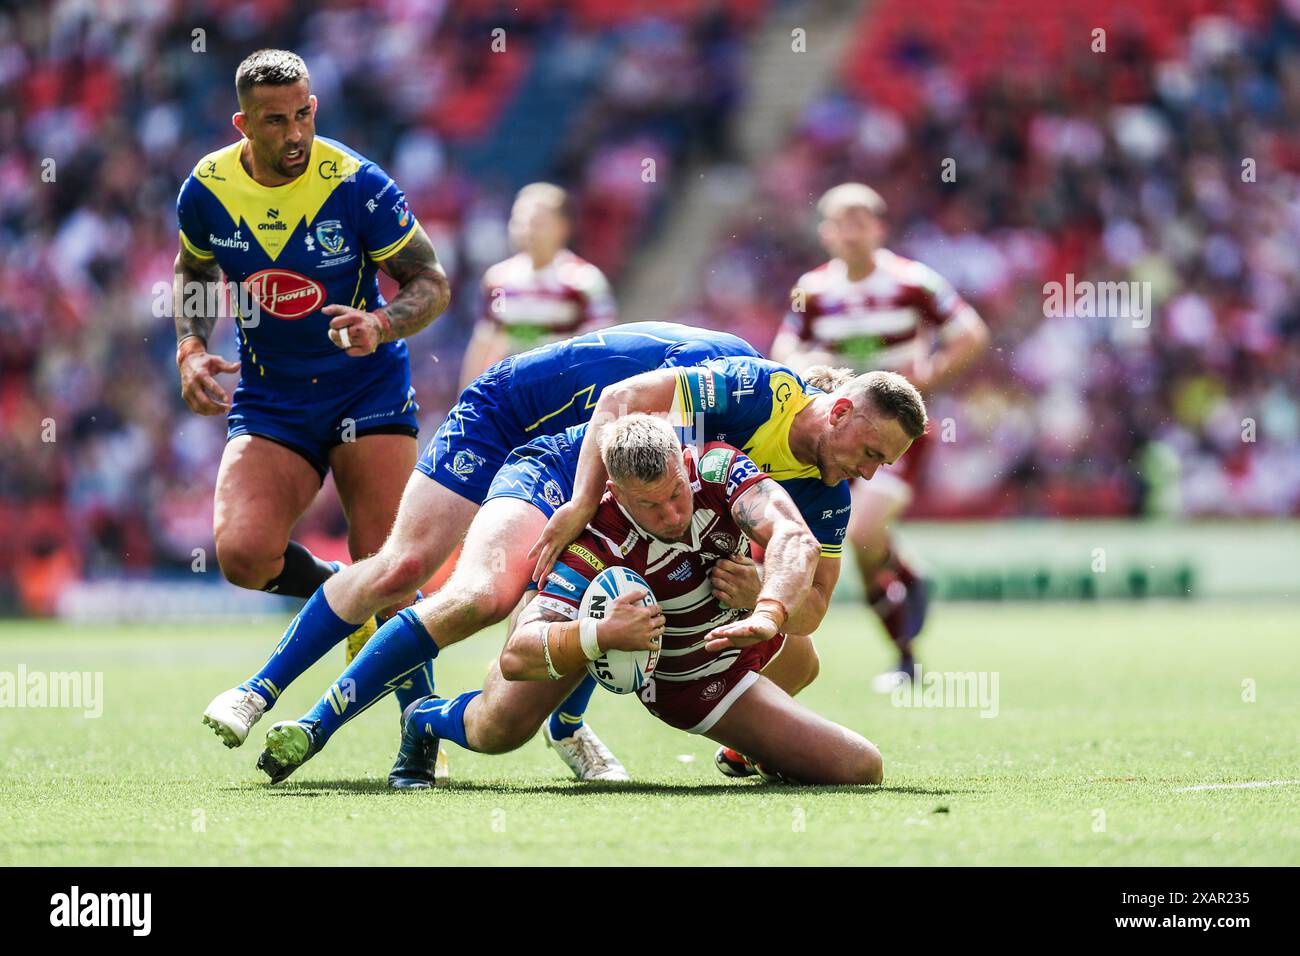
285 294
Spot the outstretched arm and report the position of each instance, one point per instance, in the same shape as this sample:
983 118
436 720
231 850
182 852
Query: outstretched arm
650 392
423 294
768 515
487 346
963 338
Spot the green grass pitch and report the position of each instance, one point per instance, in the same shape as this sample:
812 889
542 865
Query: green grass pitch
1105 713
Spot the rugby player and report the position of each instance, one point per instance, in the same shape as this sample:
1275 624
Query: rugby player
543 293
871 309
809 441
302 224
534 393
670 514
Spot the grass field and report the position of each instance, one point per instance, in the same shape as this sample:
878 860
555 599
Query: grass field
1104 713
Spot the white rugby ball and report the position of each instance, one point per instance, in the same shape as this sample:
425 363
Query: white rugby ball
623 672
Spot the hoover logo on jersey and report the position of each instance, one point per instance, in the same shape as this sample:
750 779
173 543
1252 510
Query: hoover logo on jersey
285 294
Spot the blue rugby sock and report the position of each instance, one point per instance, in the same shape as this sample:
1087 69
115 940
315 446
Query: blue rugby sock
568 716
396 652
446 718
310 635
419 684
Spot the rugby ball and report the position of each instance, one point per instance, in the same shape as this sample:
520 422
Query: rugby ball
623 672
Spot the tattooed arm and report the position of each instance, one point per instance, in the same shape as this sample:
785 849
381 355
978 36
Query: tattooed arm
192 278
768 515
422 296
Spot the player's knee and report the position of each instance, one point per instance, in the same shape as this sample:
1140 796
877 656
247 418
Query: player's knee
246 563
512 664
456 611
398 575
481 601
868 764
814 667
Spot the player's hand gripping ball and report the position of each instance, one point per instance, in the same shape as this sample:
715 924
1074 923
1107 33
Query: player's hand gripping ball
623 672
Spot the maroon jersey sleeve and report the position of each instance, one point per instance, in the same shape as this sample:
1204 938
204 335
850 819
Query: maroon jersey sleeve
492 291
725 474
805 306
935 298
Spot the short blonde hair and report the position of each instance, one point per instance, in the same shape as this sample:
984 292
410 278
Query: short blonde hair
638 446
851 196
548 194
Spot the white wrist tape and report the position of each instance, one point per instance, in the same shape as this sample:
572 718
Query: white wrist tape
587 637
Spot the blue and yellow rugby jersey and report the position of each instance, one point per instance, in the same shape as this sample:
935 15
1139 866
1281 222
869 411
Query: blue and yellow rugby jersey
750 403
309 243
557 385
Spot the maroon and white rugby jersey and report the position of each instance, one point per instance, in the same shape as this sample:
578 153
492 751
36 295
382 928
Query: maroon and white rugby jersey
872 323
678 573
537 306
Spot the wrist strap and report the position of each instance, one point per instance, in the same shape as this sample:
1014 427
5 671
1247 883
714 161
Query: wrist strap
546 652
587 637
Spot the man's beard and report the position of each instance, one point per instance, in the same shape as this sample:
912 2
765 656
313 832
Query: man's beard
282 167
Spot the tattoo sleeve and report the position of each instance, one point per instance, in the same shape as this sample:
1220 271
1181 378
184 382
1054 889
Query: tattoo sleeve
190 295
750 510
424 291
768 515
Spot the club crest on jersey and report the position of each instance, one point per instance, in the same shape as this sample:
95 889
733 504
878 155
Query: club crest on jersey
723 542
285 294
330 235
464 464
714 690
552 494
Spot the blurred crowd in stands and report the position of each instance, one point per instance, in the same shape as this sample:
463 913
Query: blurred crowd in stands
1125 165
1162 152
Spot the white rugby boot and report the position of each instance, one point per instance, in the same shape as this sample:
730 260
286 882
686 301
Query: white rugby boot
586 755
232 713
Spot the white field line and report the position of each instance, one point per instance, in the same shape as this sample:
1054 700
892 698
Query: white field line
1252 785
